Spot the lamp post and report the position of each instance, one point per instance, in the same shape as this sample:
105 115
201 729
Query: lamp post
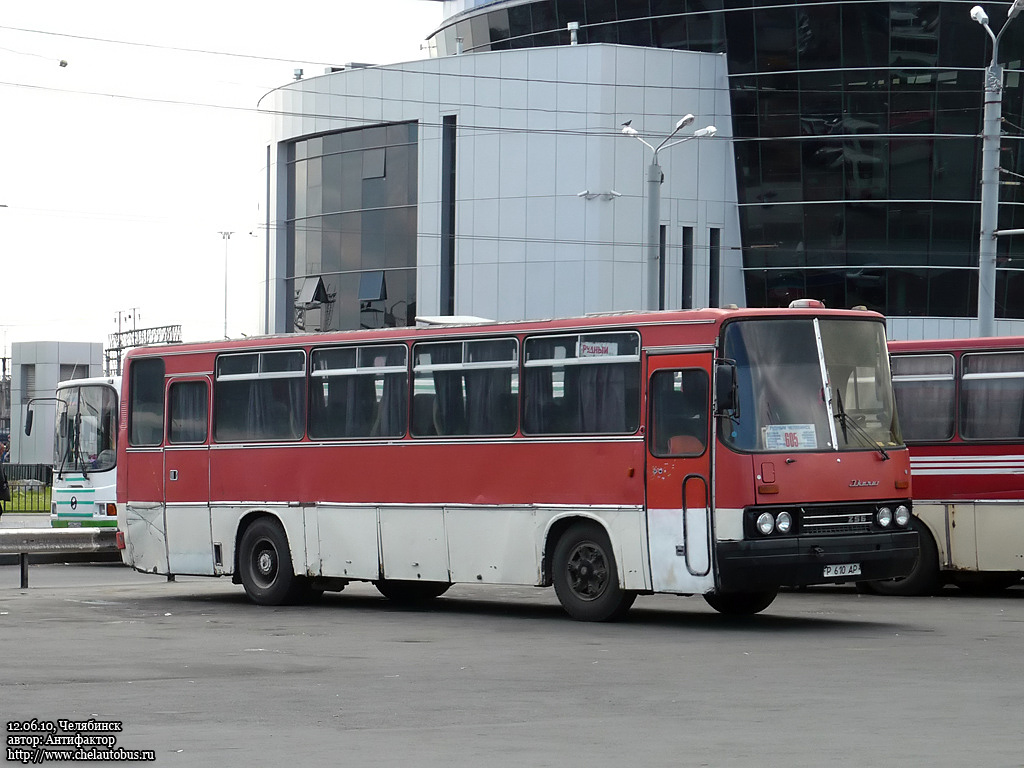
227 237
655 177
990 134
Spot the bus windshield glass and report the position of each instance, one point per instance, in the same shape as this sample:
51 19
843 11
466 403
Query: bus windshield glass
810 384
86 429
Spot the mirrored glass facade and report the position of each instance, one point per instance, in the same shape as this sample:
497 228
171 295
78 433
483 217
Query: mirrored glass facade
352 226
857 130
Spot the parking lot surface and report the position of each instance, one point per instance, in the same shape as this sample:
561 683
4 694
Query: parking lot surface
498 676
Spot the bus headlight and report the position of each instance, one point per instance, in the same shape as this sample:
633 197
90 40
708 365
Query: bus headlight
784 522
902 516
765 523
884 517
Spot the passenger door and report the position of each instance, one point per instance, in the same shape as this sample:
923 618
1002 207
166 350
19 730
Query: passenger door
679 512
187 478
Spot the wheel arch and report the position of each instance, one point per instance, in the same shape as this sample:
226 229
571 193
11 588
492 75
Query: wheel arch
934 518
558 525
251 516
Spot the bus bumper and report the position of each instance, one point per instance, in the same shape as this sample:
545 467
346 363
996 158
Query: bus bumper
746 566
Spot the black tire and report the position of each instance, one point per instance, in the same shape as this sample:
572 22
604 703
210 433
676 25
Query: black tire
265 565
411 592
586 577
741 603
982 584
924 579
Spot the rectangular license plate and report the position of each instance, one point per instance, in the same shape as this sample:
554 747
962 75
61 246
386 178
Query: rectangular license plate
846 569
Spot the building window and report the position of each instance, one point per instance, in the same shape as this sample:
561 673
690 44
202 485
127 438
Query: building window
352 202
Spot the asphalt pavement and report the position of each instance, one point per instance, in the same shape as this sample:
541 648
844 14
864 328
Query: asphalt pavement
499 676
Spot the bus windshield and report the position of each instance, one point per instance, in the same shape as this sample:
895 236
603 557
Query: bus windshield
810 384
86 429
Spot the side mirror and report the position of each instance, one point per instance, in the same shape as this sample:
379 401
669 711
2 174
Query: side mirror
28 421
726 401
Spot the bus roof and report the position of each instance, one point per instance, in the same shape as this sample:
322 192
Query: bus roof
91 381
589 323
955 345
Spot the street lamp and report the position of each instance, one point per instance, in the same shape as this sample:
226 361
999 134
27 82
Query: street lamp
990 135
655 177
227 237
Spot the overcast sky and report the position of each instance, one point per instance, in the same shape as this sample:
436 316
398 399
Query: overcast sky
120 170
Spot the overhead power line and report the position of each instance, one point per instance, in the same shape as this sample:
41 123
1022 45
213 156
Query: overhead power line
156 46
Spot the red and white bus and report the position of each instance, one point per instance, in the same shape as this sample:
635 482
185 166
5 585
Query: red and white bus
961 409
723 453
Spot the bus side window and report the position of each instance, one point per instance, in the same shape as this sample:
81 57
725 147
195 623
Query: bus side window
187 410
146 402
679 408
992 396
925 392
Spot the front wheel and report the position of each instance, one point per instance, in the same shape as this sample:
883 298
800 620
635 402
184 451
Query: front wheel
741 603
924 579
586 577
265 563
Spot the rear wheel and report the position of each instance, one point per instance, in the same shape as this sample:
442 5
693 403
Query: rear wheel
925 577
586 577
265 563
411 592
741 603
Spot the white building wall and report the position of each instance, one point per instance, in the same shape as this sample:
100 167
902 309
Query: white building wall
901 328
45 360
537 127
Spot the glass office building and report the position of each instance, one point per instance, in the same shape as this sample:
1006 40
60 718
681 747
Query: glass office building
856 135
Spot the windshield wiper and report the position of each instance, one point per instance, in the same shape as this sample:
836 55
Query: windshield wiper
78 445
848 421
64 448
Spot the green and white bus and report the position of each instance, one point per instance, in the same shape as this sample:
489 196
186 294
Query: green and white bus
85 453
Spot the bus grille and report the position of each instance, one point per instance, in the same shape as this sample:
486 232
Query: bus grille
831 521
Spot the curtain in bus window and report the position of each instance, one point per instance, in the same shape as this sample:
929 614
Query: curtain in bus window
992 397
274 409
343 406
359 402
391 411
187 402
491 393
490 404
926 409
538 401
449 402
602 398
545 407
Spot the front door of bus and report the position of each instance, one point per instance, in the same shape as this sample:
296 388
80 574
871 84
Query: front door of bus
187 478
679 472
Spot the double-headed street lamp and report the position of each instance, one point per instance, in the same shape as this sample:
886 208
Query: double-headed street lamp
655 177
990 134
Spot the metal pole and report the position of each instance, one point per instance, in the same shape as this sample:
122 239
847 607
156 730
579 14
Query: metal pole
989 195
990 136
654 179
226 236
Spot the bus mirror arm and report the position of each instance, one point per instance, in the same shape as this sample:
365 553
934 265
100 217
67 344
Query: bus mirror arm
30 414
726 401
